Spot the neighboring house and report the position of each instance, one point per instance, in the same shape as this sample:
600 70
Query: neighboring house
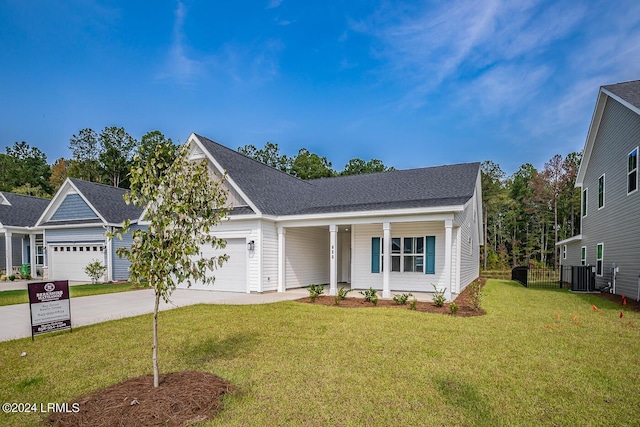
20 241
75 223
286 233
608 179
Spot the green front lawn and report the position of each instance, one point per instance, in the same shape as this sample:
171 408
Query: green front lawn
529 361
22 296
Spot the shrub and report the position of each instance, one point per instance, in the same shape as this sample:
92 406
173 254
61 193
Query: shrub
342 294
412 304
438 296
402 299
95 269
12 277
315 291
475 294
454 308
370 295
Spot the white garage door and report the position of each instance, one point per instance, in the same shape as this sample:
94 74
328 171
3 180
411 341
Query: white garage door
67 262
232 276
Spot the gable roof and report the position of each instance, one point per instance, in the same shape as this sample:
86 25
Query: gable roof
627 94
277 193
22 211
106 201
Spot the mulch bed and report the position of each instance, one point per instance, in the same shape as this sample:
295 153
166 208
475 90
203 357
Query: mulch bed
183 398
631 303
462 301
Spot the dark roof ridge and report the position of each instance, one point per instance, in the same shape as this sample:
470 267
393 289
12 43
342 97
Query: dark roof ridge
74 180
24 195
393 171
250 158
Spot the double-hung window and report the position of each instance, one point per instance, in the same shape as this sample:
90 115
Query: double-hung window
583 255
413 254
599 257
632 171
601 192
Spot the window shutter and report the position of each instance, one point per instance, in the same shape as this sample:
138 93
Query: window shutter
375 255
430 258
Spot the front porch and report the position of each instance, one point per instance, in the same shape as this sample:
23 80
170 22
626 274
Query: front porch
423 254
18 248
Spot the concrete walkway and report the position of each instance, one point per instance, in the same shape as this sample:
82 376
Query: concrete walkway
16 319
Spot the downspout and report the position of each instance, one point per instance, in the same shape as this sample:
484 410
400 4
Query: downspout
109 248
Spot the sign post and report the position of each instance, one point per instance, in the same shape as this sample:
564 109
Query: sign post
50 308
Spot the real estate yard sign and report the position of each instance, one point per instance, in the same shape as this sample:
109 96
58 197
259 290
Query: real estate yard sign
49 303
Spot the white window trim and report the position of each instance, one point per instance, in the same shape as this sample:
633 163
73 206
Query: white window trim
401 255
629 172
600 259
564 252
583 261
604 184
584 205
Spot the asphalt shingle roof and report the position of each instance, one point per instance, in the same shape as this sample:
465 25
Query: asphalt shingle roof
24 210
277 193
629 91
108 201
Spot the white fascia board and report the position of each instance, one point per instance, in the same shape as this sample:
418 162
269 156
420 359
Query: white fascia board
194 139
591 135
569 240
4 201
405 215
622 101
54 227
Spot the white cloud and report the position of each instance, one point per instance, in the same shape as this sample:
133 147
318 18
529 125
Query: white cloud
273 4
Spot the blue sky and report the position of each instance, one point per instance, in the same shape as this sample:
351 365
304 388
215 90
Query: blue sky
414 84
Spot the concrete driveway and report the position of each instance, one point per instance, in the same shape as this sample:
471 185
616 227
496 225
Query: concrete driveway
16 319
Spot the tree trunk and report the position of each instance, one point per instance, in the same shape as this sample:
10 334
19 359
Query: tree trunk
156 373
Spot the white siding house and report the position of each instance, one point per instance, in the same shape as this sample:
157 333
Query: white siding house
337 230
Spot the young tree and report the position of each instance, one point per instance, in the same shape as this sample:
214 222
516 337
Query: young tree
184 202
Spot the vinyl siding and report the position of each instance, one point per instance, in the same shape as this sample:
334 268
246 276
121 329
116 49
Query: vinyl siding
121 265
269 256
307 256
398 282
615 224
73 207
469 250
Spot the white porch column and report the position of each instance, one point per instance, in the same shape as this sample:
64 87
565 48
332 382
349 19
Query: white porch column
109 249
386 260
282 286
8 252
333 260
32 255
448 240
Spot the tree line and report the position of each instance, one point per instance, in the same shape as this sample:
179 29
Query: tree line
526 214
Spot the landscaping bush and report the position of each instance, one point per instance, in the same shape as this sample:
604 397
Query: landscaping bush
315 291
342 294
475 294
438 296
402 299
95 270
454 308
370 295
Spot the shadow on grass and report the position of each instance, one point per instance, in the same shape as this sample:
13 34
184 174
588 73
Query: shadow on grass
209 349
466 398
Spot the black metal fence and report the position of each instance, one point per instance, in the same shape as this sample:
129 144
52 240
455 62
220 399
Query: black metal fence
579 278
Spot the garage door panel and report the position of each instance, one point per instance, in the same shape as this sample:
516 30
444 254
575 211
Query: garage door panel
67 262
232 276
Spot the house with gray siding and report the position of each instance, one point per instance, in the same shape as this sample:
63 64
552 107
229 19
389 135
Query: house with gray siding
75 224
608 180
398 231
21 242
